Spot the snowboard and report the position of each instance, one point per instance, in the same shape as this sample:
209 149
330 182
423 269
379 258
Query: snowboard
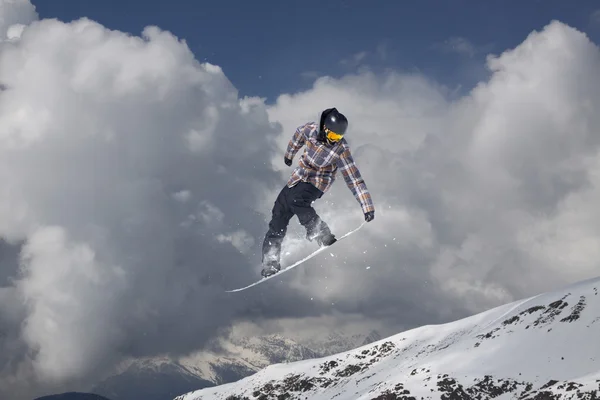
308 257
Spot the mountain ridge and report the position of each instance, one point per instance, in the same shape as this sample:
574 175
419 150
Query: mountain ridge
541 347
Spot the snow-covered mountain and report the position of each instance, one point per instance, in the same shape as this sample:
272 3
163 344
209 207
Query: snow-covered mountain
162 378
543 347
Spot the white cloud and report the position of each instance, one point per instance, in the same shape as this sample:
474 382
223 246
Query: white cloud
15 12
99 133
14 32
64 285
500 186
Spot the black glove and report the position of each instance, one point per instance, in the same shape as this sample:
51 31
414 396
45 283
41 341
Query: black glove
369 216
287 161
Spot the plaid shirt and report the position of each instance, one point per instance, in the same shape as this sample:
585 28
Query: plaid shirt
320 162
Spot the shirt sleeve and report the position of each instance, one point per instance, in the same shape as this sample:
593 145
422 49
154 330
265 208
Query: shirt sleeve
355 181
297 141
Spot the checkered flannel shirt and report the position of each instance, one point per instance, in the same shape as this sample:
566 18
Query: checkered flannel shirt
320 162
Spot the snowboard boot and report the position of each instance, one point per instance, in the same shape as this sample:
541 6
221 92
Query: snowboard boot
321 233
271 267
326 239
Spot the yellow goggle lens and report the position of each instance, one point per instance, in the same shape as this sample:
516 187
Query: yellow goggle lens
334 137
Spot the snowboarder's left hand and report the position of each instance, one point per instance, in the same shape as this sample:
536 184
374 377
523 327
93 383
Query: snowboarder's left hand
287 161
369 216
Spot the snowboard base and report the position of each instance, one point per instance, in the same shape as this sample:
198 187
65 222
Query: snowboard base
320 249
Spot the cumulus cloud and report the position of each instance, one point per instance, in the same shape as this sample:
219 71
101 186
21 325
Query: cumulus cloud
65 284
479 201
132 175
14 15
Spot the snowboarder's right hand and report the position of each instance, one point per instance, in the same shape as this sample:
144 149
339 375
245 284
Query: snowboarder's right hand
369 216
287 161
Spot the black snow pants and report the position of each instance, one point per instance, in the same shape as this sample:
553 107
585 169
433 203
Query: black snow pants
296 200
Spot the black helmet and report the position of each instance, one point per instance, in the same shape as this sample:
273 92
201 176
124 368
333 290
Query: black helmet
334 121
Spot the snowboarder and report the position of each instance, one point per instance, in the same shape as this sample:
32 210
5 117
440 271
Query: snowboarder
326 151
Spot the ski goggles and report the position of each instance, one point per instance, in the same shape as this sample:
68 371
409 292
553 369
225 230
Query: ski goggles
332 136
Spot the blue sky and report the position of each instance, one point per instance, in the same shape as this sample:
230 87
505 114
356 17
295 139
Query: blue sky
270 47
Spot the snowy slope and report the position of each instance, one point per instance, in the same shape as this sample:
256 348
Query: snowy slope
544 347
